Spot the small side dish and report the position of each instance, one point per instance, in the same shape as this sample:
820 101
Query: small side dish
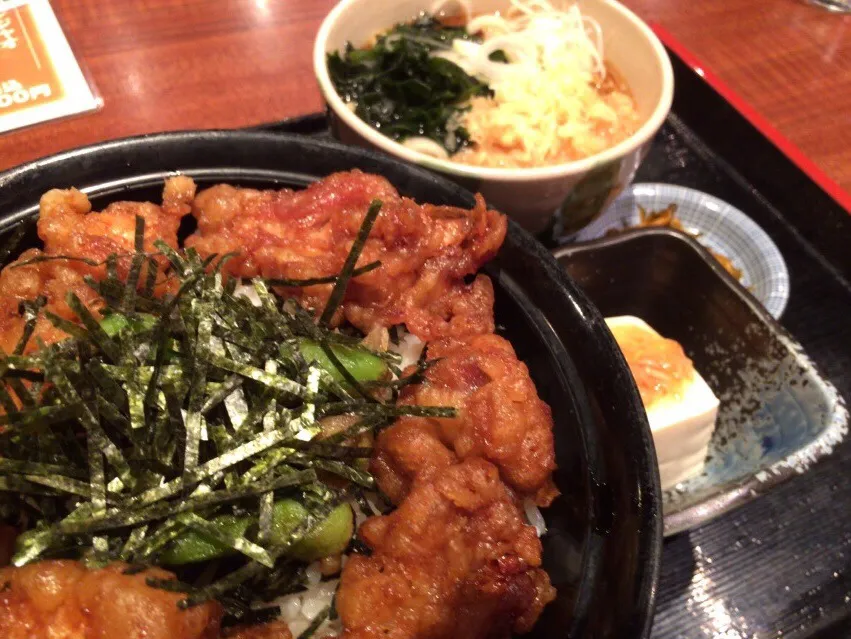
778 415
681 408
736 242
298 421
667 217
525 87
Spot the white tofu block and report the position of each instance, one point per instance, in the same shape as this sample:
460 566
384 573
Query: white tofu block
682 423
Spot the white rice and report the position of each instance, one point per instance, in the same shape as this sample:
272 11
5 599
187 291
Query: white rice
534 517
360 515
313 574
246 290
410 347
300 609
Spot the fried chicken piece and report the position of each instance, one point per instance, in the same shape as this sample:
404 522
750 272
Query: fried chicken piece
500 418
425 251
454 560
271 630
20 282
62 599
411 447
69 228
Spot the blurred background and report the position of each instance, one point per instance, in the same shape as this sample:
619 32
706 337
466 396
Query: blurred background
183 64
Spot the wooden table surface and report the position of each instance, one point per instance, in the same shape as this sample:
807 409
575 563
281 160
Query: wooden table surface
183 64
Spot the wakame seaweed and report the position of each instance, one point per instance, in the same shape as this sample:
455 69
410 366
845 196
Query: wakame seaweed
402 90
159 415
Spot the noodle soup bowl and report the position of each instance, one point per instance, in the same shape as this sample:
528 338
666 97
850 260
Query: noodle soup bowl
574 192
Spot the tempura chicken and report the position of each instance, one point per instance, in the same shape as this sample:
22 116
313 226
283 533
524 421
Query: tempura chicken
456 559
425 251
271 630
500 418
70 231
64 600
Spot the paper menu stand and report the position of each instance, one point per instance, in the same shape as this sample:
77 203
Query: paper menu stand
40 79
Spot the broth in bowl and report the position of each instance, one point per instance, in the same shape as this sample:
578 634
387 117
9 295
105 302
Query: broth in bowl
429 83
526 87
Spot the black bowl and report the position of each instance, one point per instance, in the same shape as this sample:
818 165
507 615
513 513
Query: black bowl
604 541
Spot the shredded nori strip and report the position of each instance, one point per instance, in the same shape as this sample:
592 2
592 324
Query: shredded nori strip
192 405
349 265
38 259
331 279
134 569
238 542
170 585
31 310
360 407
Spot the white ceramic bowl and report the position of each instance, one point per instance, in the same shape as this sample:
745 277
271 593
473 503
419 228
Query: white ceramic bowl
580 189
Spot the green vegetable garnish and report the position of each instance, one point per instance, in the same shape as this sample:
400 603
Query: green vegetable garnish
403 90
329 537
361 363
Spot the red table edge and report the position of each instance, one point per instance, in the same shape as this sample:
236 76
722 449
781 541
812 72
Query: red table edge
829 186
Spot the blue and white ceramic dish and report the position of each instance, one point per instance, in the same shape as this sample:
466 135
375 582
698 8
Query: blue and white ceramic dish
779 414
719 227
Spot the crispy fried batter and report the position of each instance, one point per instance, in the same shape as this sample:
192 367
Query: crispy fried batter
69 228
454 560
500 418
271 630
61 599
53 280
425 250
409 448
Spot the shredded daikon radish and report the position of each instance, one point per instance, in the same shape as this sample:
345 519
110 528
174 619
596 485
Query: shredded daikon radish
547 105
543 34
534 517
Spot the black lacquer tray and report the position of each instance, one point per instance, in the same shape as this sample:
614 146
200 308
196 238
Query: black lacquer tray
781 565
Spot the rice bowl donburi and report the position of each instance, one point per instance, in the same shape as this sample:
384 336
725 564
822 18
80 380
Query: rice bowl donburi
213 420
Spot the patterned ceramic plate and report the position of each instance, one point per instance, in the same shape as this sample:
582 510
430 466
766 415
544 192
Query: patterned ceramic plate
719 227
779 414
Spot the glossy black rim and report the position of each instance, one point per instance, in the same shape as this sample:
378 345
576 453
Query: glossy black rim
621 564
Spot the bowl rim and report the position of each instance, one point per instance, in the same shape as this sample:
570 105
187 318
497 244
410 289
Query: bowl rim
128 160
715 504
640 137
